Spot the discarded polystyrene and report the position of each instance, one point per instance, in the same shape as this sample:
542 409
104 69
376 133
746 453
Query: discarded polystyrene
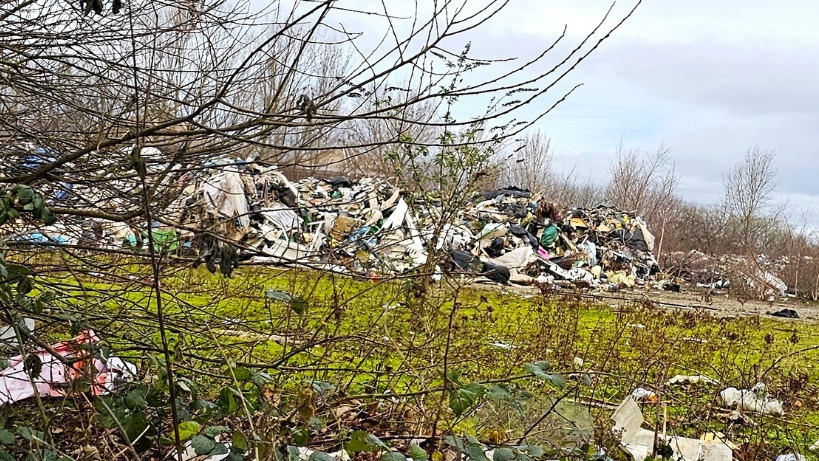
643 395
56 375
756 400
639 442
8 335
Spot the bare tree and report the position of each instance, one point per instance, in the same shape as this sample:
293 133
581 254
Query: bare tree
748 189
530 166
646 183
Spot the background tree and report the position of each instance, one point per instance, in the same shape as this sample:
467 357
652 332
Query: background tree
647 184
530 165
748 189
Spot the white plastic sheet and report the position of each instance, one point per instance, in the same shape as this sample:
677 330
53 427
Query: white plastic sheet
55 377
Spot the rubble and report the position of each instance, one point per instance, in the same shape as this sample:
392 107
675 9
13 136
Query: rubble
369 228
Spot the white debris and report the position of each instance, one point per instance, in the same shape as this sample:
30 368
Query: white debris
643 395
639 442
755 400
691 379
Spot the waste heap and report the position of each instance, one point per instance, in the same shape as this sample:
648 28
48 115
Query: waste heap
367 228
512 229
363 227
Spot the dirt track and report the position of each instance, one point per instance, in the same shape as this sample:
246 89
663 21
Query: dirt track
719 302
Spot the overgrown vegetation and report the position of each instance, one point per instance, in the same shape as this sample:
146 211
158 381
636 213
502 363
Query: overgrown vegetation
271 359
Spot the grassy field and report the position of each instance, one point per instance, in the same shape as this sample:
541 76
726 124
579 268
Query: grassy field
404 348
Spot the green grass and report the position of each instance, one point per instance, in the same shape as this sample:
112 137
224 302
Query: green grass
388 337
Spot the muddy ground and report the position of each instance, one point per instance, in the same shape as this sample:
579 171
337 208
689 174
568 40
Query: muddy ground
718 302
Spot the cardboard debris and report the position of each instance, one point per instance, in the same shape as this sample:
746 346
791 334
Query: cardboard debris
639 442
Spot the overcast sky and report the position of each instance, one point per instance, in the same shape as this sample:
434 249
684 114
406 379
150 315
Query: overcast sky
707 79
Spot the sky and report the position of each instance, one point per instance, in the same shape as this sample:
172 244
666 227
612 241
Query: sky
709 80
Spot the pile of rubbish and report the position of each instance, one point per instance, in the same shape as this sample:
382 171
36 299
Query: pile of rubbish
369 228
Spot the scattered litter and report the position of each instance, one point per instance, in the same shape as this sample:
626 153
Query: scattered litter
370 228
686 379
785 313
791 457
639 442
756 400
55 377
8 336
642 395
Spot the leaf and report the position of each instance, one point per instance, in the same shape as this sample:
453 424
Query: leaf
319 456
535 451
301 436
363 441
19 270
24 286
6 437
475 452
188 429
48 217
323 387
202 445
499 392
220 449
213 431
227 400
5 456
293 454
539 369
261 378
392 456
557 380
242 374
461 400
135 400
455 442
29 434
33 365
476 388
239 441
503 454
137 427
417 453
